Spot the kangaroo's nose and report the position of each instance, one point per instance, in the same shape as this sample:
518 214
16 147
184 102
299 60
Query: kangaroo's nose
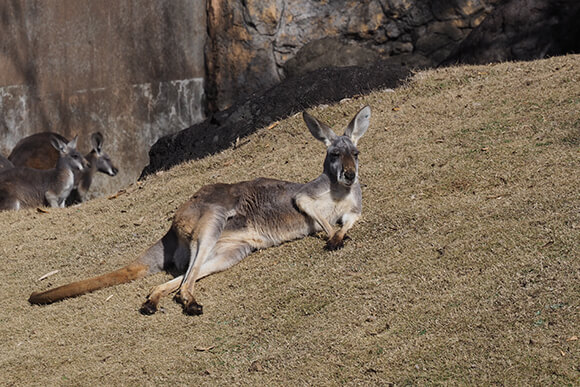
350 174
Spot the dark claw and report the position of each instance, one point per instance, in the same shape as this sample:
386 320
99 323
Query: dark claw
334 244
331 246
193 309
148 308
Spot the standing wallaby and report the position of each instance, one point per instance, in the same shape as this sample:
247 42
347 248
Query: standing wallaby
22 187
223 223
35 151
99 161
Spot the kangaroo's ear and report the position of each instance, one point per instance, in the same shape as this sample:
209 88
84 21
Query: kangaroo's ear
359 125
73 143
97 141
58 144
319 130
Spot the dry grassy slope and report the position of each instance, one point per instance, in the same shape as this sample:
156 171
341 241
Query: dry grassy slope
464 268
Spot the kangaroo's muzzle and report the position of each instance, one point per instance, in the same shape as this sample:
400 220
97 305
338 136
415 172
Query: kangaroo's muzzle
347 177
112 171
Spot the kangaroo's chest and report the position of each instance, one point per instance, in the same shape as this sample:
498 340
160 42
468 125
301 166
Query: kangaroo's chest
68 181
333 209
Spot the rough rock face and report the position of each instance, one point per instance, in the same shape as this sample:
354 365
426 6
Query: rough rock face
291 96
522 30
253 44
294 49
408 34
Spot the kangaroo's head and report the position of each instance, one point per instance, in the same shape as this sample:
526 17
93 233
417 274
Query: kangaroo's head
341 163
68 154
102 162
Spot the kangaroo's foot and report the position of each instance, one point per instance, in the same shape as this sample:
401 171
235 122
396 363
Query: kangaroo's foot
190 306
148 308
180 299
334 243
193 309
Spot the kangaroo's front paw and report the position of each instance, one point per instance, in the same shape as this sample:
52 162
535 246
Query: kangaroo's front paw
193 309
334 243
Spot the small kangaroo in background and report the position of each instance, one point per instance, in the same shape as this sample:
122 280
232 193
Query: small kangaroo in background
223 223
22 187
35 151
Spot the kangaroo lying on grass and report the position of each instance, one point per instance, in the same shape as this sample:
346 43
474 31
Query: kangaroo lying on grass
35 151
223 223
22 187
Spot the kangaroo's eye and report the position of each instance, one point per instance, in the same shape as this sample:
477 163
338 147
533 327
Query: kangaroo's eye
355 154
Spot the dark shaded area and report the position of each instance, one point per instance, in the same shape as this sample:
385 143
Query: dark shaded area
522 30
288 97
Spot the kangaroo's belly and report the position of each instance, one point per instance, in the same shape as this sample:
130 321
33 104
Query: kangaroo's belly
262 232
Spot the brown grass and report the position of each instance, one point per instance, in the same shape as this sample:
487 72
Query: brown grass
464 269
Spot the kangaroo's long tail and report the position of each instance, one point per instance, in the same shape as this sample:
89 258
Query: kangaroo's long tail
151 261
125 274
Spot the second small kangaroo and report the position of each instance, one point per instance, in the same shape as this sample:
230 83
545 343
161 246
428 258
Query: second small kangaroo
223 223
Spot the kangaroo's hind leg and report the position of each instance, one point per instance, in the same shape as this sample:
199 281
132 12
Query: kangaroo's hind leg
226 253
205 236
150 305
158 257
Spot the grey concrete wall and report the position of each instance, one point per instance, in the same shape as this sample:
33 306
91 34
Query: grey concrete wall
132 69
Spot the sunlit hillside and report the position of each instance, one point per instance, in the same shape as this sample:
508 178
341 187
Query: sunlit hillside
464 268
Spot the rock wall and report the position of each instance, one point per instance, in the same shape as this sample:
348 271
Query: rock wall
132 69
254 44
522 30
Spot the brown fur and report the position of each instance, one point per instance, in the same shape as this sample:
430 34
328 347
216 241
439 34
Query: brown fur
35 151
128 273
